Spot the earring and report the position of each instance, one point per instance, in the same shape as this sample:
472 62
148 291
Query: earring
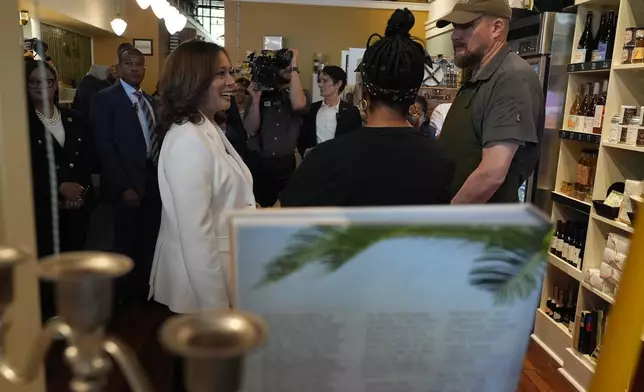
363 105
413 112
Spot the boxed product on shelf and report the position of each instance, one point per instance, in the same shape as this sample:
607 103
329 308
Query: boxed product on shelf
618 243
633 50
609 273
594 279
618 260
631 188
591 329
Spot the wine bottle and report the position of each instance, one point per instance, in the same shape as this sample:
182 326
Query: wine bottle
611 24
582 249
600 108
565 314
568 243
574 251
589 115
601 42
573 116
557 304
583 107
553 241
586 41
560 241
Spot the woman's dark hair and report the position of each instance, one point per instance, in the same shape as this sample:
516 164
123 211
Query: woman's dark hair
423 104
393 67
30 66
187 75
336 74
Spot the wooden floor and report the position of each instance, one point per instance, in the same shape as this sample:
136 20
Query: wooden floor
138 327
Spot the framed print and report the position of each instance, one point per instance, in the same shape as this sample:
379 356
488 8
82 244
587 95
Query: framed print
144 45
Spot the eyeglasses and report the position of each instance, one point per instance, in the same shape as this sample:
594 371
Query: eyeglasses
35 83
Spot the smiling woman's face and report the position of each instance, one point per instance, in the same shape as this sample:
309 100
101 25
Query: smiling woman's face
222 87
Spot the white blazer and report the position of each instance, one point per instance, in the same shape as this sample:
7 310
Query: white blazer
201 177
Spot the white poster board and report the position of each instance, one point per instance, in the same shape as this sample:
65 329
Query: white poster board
354 58
438 299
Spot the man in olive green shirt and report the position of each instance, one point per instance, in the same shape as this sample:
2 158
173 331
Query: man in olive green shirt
494 127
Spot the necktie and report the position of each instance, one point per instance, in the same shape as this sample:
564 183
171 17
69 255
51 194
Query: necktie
155 142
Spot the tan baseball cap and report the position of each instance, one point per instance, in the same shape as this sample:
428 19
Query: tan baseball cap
466 11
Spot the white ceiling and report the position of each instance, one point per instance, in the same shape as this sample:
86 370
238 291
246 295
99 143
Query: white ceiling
91 17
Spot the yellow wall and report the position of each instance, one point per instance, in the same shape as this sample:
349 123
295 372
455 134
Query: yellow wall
310 29
140 24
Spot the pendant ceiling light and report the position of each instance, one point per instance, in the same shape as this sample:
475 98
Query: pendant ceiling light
181 22
144 3
171 20
160 8
118 25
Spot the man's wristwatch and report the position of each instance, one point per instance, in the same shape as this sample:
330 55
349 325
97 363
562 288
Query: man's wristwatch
295 69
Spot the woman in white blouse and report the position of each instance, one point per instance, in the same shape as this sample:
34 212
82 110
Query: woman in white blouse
201 178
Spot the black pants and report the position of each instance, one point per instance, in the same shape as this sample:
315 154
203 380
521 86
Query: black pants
270 176
135 235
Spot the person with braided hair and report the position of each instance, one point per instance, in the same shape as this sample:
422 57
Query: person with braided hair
387 162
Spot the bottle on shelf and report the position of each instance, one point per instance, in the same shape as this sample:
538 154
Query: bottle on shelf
611 24
573 116
601 41
586 41
589 115
586 108
560 241
569 243
555 238
600 108
579 191
582 246
573 252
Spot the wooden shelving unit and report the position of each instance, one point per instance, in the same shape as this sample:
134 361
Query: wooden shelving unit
616 162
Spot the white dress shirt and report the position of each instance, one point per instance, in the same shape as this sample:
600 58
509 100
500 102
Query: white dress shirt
438 117
326 121
129 90
201 178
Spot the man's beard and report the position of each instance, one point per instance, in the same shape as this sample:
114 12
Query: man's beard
468 59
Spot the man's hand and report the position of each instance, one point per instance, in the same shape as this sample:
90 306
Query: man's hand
71 191
130 198
254 92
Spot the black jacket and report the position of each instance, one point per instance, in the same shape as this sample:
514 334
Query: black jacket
348 119
73 163
120 144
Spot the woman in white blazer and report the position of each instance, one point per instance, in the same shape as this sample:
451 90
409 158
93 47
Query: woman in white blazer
201 178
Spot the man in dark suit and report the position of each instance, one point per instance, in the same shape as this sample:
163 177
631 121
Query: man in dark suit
331 117
122 120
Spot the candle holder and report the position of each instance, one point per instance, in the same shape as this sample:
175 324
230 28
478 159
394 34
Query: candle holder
212 344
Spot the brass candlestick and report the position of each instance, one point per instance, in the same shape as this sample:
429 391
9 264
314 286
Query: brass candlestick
212 344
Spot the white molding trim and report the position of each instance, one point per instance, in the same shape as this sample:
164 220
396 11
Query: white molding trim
432 31
386 5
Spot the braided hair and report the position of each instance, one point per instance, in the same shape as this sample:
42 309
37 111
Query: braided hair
393 67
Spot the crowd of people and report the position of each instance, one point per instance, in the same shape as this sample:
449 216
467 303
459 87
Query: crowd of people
173 164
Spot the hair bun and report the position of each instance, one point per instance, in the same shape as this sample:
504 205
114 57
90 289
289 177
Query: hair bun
400 23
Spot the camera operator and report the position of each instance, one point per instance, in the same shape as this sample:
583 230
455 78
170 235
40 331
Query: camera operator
273 120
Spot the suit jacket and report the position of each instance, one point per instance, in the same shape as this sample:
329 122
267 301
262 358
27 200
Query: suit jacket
201 178
238 138
120 143
73 163
348 119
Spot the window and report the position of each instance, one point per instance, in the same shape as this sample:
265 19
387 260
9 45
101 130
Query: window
210 14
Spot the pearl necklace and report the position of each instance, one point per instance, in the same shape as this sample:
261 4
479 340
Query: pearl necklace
53 120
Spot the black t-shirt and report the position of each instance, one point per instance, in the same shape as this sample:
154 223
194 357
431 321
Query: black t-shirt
372 167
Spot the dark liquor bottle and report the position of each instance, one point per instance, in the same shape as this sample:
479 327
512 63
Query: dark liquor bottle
601 41
600 108
560 241
590 108
586 41
555 238
565 314
611 24
569 251
574 253
557 306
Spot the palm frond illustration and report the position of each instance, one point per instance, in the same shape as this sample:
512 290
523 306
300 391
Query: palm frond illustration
510 266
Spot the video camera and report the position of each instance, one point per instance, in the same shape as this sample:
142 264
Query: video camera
264 67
